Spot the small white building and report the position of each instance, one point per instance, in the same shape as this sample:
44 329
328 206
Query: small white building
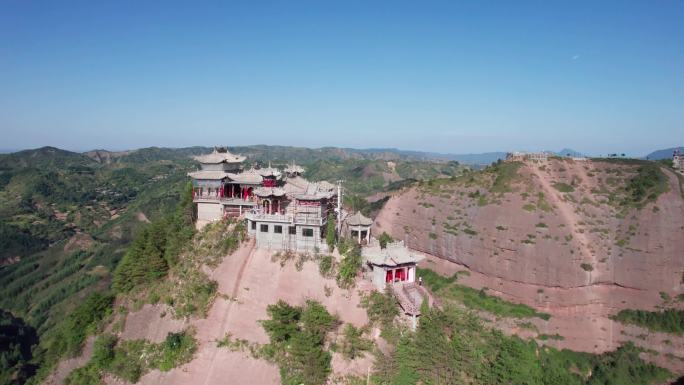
358 227
678 160
393 264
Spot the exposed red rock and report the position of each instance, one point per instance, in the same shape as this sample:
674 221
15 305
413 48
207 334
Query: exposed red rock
577 255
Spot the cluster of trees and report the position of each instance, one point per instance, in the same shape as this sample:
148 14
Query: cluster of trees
297 341
130 359
68 337
646 185
350 264
16 342
668 320
452 346
156 248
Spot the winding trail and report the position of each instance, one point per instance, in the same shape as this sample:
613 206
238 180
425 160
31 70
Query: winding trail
226 312
569 216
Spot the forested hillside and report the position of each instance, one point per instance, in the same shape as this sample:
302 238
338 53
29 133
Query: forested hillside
67 219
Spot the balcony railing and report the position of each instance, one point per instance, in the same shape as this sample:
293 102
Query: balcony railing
226 200
269 217
297 219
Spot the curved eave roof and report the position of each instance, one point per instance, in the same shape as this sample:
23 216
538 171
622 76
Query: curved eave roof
269 171
358 219
293 169
394 255
220 157
208 175
247 177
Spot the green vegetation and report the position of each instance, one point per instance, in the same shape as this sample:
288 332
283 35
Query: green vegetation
435 281
563 187
325 265
648 183
381 308
156 248
384 239
350 264
353 343
667 321
67 339
330 236
470 231
452 346
504 175
478 299
130 359
66 221
587 267
448 289
16 341
297 341
546 337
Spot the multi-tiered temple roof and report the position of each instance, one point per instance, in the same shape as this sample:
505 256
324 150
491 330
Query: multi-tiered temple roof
220 155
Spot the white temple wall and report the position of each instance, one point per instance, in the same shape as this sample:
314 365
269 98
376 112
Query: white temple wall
378 278
209 211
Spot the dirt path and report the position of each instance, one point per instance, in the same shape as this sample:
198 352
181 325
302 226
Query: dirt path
226 313
248 282
567 212
66 366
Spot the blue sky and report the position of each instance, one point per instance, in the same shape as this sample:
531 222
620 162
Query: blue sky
452 76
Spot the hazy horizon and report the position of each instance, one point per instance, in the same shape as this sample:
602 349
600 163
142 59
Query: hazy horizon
431 76
605 153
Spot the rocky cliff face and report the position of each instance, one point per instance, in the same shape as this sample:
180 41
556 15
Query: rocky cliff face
559 224
580 240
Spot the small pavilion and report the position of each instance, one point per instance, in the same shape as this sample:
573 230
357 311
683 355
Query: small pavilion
358 227
393 264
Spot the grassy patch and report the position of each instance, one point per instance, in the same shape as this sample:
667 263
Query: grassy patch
667 321
131 359
546 337
433 280
563 187
505 173
447 288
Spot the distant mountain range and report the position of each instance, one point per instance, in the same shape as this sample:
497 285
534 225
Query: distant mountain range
300 154
663 154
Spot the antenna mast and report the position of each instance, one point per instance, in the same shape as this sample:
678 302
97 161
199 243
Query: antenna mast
338 209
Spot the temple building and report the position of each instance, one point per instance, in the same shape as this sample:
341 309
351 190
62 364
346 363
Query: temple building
542 156
393 264
282 211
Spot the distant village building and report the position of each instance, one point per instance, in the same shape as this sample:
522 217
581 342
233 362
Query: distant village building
678 160
283 212
542 156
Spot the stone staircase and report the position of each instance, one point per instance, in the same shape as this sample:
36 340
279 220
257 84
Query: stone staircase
410 297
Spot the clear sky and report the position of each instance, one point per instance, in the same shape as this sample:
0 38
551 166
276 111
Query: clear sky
452 76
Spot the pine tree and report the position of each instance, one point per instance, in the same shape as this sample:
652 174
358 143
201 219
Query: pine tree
330 232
